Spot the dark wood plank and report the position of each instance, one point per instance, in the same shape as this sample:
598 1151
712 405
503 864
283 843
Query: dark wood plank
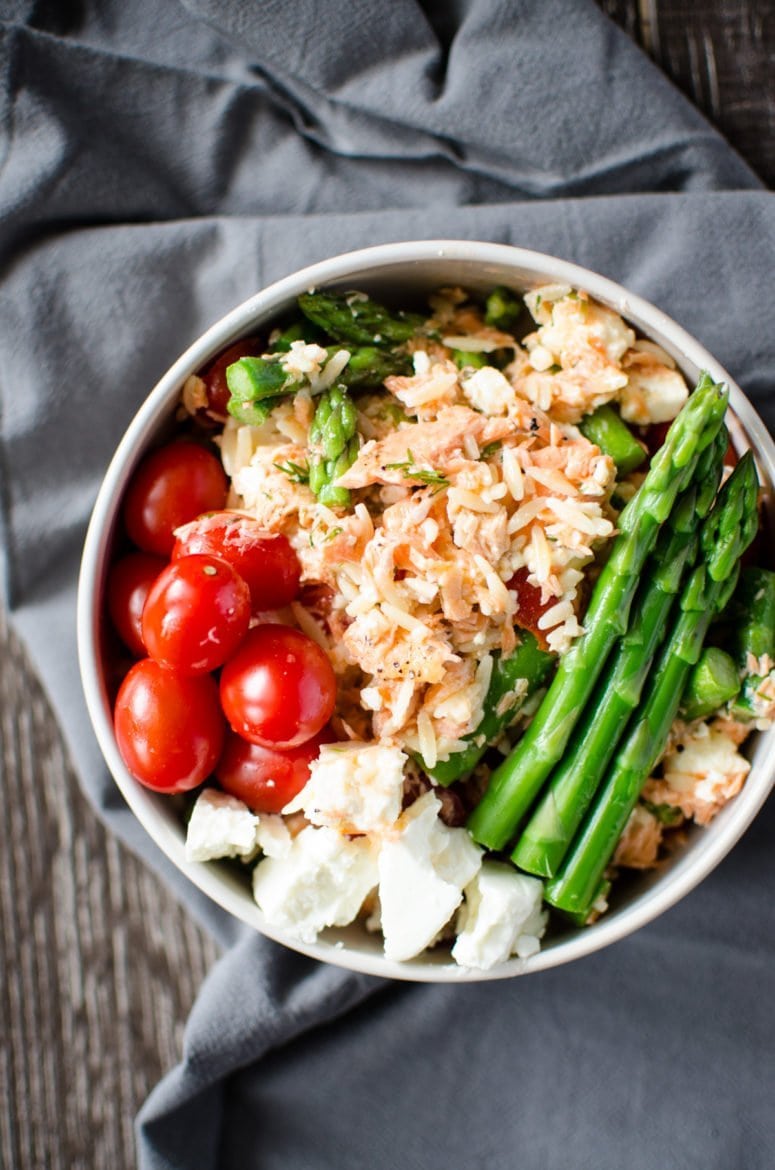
100 964
720 55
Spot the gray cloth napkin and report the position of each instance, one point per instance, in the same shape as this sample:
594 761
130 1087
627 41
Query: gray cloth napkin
162 160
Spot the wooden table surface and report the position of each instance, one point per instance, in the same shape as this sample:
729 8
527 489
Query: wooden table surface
100 964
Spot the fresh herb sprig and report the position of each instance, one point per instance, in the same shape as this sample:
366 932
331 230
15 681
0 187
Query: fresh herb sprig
296 472
424 475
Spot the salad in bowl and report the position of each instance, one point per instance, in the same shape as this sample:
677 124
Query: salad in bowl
442 619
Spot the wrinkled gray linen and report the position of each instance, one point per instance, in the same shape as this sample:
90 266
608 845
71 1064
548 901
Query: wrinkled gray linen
162 160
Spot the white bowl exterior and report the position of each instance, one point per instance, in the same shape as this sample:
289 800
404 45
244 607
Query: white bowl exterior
415 267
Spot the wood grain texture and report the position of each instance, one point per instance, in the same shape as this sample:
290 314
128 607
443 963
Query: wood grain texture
99 964
721 55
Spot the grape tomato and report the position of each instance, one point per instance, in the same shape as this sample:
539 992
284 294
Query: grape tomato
279 689
530 607
264 560
172 485
214 377
129 582
264 778
196 614
169 727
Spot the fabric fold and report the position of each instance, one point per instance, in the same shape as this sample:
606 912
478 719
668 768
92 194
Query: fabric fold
160 162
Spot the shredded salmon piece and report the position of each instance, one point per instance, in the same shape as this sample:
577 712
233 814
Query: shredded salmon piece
639 844
435 446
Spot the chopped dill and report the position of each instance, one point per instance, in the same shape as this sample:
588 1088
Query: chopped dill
295 471
424 475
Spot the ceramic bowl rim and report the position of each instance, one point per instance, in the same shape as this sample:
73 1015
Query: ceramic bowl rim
416 257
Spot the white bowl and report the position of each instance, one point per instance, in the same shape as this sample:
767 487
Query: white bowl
406 270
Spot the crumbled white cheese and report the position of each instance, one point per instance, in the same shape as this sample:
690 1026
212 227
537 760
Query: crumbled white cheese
540 358
304 359
272 835
488 390
501 916
540 300
421 361
353 787
423 870
578 325
221 826
321 881
653 394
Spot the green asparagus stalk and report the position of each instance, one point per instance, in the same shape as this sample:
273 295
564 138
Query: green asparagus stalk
610 433
356 319
713 682
754 608
334 445
258 384
573 784
463 358
515 784
503 309
501 706
296 331
726 533
370 366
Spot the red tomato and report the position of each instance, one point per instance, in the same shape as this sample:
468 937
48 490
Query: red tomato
129 582
196 615
530 607
169 728
654 436
214 377
265 779
318 599
265 560
172 485
279 689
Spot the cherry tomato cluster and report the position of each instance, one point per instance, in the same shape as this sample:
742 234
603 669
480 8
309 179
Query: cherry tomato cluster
216 689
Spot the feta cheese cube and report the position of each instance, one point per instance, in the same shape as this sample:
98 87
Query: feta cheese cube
355 788
272 835
221 826
501 916
423 869
321 881
653 394
488 390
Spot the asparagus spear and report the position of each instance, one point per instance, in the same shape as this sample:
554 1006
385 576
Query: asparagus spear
353 317
296 331
711 684
369 366
518 780
610 433
503 309
726 533
754 608
334 445
463 358
528 662
257 384
549 832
